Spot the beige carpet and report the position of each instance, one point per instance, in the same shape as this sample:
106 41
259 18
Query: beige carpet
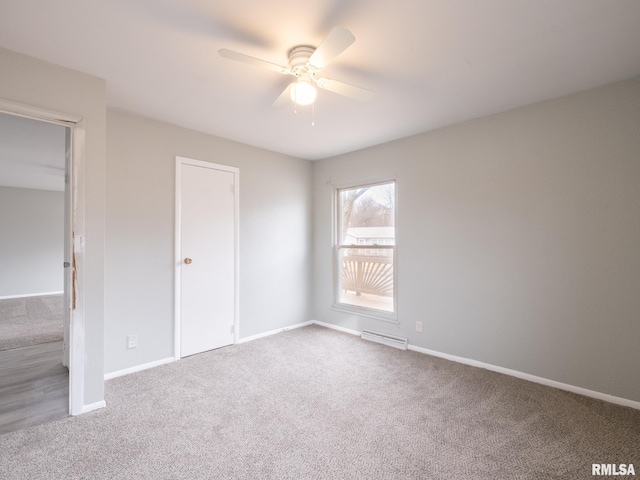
313 403
30 321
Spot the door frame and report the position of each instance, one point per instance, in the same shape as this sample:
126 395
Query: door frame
180 161
76 244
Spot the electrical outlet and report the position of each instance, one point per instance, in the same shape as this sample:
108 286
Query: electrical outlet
132 341
418 326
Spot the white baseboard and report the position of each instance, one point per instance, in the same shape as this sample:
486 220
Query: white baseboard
157 363
466 361
138 368
273 332
532 378
506 371
336 327
93 406
44 294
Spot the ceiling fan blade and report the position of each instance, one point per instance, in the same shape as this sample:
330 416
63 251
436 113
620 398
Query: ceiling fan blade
334 44
284 98
256 62
341 88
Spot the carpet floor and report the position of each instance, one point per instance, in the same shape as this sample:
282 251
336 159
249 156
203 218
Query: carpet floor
30 321
313 403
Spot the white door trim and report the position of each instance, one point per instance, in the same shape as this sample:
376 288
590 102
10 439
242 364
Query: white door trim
77 246
178 250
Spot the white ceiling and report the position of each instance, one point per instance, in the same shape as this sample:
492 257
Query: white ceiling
32 154
431 63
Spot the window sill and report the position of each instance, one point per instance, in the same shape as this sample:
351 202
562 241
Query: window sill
366 312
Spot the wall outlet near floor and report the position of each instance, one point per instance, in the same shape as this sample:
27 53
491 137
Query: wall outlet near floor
418 326
132 341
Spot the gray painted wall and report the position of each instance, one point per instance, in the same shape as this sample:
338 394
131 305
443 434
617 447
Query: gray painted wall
275 235
518 238
518 234
31 242
31 81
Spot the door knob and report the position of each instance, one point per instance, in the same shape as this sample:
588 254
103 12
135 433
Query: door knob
187 260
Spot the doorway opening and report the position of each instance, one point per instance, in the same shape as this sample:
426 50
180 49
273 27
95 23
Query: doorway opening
41 321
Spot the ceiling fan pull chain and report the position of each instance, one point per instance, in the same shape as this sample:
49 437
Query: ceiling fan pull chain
313 114
295 102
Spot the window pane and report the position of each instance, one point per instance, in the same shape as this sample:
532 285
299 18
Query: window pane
366 277
367 215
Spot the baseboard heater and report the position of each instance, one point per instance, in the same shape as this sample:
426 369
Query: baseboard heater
385 339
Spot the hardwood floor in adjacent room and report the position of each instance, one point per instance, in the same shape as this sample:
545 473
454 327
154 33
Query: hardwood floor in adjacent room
34 386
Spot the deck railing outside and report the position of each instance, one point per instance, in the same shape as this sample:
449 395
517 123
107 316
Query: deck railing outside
364 273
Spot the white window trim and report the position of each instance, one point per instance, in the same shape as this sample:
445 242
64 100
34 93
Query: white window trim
391 317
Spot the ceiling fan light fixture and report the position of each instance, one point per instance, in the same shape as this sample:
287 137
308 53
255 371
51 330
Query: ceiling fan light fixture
303 93
305 62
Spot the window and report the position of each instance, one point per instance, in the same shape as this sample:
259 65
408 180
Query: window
364 250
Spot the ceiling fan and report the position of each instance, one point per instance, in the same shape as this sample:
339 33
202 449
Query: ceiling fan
305 63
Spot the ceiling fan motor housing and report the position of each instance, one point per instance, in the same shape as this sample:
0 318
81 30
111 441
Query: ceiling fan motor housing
298 58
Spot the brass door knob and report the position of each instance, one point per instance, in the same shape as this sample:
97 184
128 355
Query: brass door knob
187 260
